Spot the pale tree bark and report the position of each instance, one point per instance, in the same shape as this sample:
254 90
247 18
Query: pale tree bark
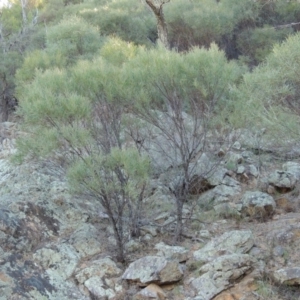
24 15
162 31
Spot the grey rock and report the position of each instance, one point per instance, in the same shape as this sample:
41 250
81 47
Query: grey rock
257 204
227 210
255 252
218 274
289 276
222 193
172 252
207 172
160 200
230 242
278 250
133 245
232 160
163 216
86 240
59 261
98 289
204 234
292 168
253 170
237 145
151 292
105 267
215 177
147 237
282 179
241 169
149 229
153 269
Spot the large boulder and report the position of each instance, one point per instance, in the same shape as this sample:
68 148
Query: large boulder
172 252
98 288
58 261
220 273
288 276
237 241
86 241
94 278
43 233
282 180
292 168
257 204
98 268
153 269
228 189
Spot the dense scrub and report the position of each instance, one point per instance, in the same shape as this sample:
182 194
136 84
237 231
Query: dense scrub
77 69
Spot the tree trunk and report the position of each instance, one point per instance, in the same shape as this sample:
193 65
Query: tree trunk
4 110
118 234
4 103
24 15
162 30
178 230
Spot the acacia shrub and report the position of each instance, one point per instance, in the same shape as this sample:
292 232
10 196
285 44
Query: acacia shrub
75 115
279 12
65 43
270 93
205 73
180 96
199 23
74 38
129 20
117 51
256 43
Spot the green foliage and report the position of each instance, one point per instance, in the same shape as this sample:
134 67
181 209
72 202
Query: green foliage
53 11
204 75
38 60
9 62
203 22
66 43
126 19
117 51
11 19
256 44
50 102
270 93
73 38
96 173
75 114
97 80
279 12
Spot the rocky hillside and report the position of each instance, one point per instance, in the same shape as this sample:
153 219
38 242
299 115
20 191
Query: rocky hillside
241 235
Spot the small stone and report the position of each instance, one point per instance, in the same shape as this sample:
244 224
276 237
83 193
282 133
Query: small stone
132 246
240 170
278 251
271 190
205 234
237 145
